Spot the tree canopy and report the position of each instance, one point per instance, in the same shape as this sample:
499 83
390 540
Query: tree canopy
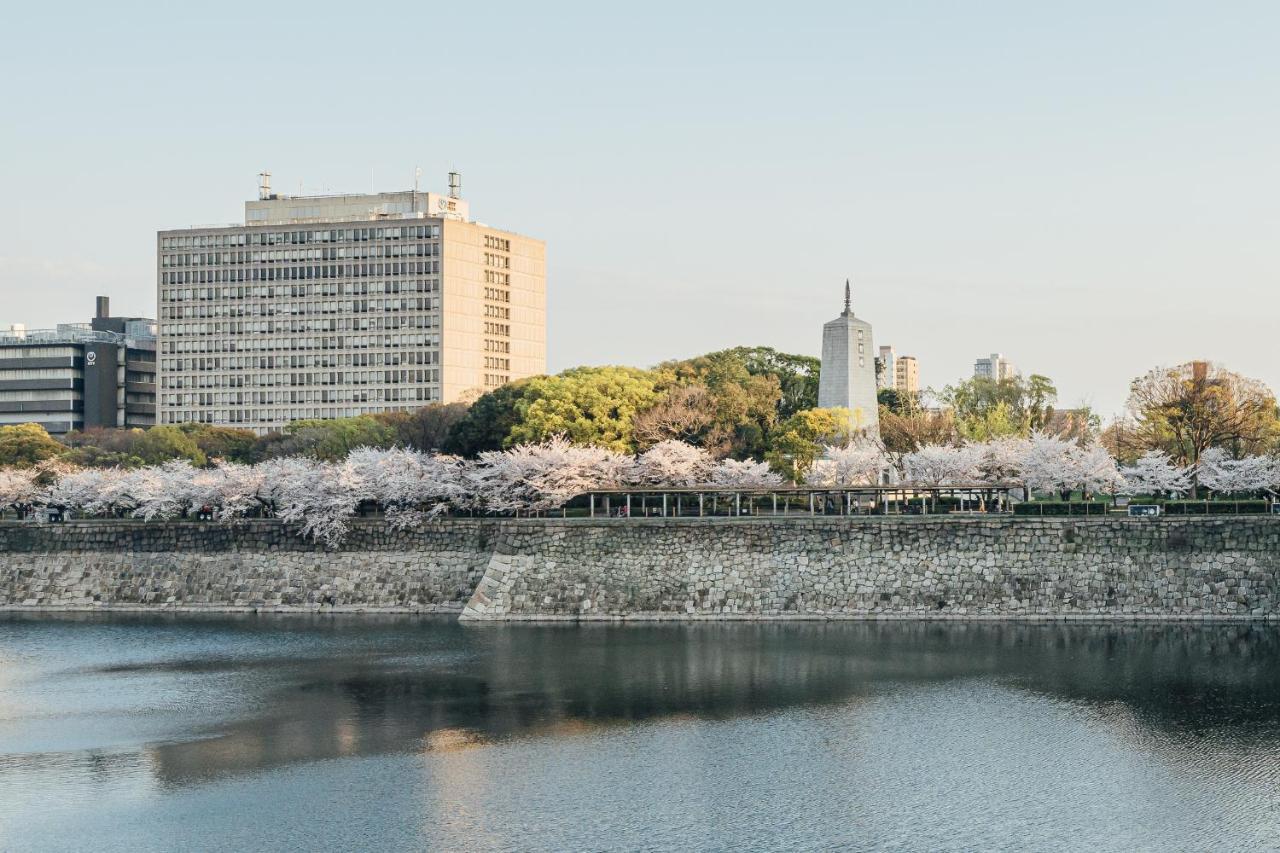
799 440
25 445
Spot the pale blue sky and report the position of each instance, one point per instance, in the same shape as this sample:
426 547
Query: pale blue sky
1091 188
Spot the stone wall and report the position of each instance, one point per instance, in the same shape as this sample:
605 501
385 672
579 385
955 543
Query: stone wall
255 565
889 567
930 567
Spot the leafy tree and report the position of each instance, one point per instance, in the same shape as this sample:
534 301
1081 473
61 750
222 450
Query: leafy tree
220 442
1185 410
989 408
588 405
802 438
909 431
93 456
327 440
160 444
746 404
797 376
25 445
489 421
426 429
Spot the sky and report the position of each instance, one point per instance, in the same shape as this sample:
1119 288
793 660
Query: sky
1089 188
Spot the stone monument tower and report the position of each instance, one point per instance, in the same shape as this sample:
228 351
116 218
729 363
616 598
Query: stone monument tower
848 378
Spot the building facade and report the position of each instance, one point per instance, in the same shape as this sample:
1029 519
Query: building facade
906 375
996 367
848 377
80 375
885 372
323 307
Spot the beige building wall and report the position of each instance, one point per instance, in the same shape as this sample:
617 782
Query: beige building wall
906 374
494 309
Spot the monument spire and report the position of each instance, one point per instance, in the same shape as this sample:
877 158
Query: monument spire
846 296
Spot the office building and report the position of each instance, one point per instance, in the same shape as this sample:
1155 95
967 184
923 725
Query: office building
80 375
995 367
341 305
848 377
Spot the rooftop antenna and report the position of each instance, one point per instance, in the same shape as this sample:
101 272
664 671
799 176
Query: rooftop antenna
264 186
417 175
455 185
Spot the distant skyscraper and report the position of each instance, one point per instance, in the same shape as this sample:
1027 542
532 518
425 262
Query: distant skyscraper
848 378
996 367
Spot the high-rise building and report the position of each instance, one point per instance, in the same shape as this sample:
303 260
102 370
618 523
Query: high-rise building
80 375
848 377
906 375
995 367
341 305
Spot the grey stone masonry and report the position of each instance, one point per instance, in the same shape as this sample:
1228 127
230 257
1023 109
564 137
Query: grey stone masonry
816 568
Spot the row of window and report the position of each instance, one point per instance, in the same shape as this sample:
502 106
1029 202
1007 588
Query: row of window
230 239
495 363
223 275
296 309
497 346
498 261
294 326
497 294
285 362
276 344
503 278
492 242
271 256
298 291
498 311
286 398
497 329
307 380
494 380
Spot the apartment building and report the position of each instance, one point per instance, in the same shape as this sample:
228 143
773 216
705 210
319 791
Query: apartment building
80 375
996 367
332 306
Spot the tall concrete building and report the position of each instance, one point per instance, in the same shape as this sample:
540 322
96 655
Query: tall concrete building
995 367
341 305
888 362
80 375
848 377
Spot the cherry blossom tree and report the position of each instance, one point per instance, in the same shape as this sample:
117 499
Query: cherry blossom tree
744 474
1047 464
18 488
860 463
673 463
539 477
1000 459
1155 473
1218 472
941 465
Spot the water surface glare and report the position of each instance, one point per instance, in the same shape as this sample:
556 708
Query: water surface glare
406 733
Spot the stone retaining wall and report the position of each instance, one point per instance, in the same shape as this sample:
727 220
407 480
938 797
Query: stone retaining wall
930 567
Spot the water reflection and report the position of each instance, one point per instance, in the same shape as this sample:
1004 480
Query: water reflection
207 698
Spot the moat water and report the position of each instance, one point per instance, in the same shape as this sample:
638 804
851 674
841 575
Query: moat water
399 733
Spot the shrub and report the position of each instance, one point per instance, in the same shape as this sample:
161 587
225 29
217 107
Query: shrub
1214 507
1061 508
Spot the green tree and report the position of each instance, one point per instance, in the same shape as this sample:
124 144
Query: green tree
587 405
989 408
799 440
797 376
25 445
745 404
329 440
426 429
160 444
220 442
489 421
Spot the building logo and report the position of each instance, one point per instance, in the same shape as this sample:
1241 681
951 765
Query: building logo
91 358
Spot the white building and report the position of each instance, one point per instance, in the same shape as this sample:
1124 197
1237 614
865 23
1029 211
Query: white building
334 306
995 367
848 377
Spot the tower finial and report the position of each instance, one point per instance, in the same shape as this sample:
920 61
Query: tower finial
846 296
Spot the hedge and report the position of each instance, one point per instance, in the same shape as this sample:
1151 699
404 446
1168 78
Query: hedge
1061 508
1213 507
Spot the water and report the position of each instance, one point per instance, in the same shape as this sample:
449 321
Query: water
400 733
